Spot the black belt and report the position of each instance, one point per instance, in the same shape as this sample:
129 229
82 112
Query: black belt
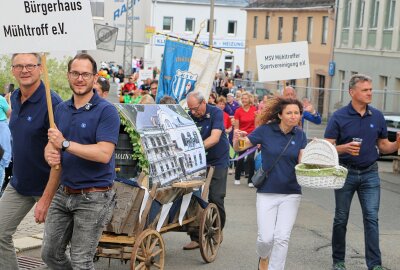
359 168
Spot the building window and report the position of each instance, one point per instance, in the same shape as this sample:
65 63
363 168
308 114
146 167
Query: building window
389 18
255 26
309 29
360 14
346 14
373 23
383 85
97 7
294 32
324 29
189 25
280 28
208 26
342 82
167 24
267 26
232 27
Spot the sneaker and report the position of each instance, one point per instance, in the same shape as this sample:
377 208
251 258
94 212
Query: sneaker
251 185
237 182
339 266
377 267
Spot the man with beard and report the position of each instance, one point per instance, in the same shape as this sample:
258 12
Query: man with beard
84 140
28 125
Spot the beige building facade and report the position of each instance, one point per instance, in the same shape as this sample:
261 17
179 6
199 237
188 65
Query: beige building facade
274 22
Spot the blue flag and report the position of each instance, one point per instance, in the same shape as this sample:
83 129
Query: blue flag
175 79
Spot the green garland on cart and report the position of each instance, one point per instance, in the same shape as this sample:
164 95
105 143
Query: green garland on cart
138 153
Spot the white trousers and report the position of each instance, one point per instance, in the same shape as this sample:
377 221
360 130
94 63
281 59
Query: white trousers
276 215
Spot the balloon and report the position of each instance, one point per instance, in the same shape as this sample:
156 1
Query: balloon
108 76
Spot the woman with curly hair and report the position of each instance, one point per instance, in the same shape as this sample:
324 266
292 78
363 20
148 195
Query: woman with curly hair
278 199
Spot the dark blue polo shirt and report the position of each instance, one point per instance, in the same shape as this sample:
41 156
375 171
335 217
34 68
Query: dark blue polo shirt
87 125
218 155
282 178
29 123
346 124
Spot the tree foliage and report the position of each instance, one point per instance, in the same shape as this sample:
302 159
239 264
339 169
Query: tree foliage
57 70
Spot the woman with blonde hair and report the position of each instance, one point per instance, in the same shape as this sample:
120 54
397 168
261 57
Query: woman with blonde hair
278 198
147 99
245 121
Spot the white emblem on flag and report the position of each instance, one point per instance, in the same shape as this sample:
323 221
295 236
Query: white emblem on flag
183 83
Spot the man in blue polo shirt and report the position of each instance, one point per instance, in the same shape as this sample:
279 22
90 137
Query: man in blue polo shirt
86 134
210 120
29 122
309 113
362 121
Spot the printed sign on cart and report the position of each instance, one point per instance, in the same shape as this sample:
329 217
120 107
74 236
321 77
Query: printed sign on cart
45 26
283 61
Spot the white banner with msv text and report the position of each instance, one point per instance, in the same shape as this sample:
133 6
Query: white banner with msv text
45 26
284 61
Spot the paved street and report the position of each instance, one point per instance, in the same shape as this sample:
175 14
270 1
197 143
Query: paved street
310 241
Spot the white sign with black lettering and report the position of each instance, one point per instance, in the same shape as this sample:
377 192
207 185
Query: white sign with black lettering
106 37
284 61
45 26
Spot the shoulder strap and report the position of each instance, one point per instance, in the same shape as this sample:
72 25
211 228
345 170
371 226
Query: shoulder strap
279 157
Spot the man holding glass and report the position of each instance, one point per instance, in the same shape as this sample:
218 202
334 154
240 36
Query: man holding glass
358 130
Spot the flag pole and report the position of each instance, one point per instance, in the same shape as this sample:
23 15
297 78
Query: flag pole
48 94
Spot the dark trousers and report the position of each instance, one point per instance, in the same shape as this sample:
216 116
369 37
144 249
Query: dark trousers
216 196
248 165
367 185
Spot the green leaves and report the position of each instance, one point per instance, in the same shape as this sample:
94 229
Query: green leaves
138 152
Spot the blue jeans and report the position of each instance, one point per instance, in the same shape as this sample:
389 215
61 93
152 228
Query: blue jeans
2 175
366 183
77 219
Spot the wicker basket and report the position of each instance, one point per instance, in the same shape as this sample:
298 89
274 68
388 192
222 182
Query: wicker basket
319 167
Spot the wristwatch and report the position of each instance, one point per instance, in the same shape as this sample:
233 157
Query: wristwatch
64 145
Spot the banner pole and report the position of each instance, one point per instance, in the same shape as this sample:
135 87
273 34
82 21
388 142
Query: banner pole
48 94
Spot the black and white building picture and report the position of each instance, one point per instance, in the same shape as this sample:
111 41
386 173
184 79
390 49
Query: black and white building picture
170 140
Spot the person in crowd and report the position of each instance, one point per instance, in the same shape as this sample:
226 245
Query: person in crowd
147 99
210 120
167 100
359 120
153 89
130 86
102 85
221 103
5 140
29 119
245 117
309 113
120 75
212 99
84 140
278 198
262 104
231 105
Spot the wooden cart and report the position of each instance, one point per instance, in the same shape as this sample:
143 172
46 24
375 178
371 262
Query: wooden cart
128 237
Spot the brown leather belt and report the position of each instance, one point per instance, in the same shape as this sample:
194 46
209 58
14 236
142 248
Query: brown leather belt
68 190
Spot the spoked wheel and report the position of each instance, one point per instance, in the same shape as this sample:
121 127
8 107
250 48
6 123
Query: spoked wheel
148 251
210 233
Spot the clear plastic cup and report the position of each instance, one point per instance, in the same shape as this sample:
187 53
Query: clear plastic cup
357 142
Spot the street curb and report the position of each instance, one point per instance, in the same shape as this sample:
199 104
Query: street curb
27 243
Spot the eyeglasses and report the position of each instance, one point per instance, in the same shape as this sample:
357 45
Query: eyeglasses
29 67
153 88
194 109
85 75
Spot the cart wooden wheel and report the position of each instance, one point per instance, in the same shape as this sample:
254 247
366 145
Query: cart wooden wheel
210 233
148 251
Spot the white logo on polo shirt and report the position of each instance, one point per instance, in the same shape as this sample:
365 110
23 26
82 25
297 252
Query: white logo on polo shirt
29 118
83 125
293 142
371 125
